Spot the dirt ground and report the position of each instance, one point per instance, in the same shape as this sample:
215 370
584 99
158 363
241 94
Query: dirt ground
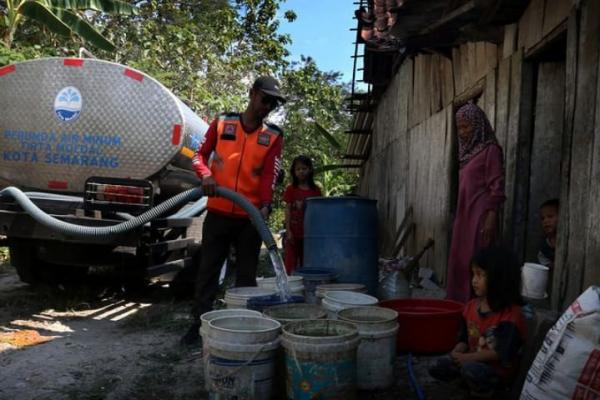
106 344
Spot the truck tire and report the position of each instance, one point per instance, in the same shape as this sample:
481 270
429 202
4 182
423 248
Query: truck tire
23 258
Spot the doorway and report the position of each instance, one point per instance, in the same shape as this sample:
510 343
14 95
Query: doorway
546 137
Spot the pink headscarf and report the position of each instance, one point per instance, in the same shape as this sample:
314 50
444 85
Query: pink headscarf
483 134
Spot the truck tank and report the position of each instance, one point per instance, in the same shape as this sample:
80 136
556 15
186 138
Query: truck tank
64 120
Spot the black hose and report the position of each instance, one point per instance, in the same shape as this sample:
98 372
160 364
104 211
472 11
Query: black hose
81 231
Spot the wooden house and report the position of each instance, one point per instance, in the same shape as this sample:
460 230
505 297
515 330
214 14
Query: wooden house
533 66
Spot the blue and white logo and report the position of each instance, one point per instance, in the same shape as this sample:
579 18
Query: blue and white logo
67 104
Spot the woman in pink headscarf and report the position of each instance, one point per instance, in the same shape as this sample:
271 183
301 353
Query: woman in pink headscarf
480 195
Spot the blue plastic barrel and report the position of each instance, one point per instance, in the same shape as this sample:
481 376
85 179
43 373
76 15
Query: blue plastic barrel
260 303
340 234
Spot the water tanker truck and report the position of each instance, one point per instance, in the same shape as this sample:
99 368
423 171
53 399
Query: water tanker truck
96 144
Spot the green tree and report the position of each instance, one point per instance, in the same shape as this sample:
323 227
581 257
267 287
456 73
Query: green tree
315 121
63 17
206 51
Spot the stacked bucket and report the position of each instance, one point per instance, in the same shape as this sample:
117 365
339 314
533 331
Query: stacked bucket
301 351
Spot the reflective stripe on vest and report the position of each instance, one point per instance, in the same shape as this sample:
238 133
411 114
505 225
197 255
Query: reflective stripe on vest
237 162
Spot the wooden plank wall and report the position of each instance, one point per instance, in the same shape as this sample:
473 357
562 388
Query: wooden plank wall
472 62
431 151
578 257
539 20
384 176
413 151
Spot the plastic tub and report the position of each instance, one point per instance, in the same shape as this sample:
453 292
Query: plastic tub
332 287
339 300
260 303
238 297
241 357
426 325
295 283
378 330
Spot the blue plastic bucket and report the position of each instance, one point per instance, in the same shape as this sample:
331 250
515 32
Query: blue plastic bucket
314 277
260 303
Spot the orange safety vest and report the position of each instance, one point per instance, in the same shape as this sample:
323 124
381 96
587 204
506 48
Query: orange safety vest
237 161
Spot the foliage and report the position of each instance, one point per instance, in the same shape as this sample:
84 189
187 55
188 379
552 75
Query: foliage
63 17
314 121
206 51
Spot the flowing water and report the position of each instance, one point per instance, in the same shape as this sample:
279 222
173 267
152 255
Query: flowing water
280 275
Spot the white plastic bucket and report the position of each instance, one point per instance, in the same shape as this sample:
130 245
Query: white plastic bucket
339 300
285 313
534 278
241 357
209 316
377 327
295 283
332 287
238 297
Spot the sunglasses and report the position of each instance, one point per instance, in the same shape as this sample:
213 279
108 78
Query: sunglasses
271 101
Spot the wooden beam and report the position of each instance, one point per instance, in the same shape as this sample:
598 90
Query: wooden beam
460 12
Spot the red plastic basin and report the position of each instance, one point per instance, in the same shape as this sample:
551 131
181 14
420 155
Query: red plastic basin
426 325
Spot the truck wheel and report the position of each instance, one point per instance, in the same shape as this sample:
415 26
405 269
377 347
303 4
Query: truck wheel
23 258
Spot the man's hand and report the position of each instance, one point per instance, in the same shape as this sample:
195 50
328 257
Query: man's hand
209 186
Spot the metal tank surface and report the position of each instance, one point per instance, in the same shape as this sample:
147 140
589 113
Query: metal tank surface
64 120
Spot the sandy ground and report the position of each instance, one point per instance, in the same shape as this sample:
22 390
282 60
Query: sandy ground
109 345
104 347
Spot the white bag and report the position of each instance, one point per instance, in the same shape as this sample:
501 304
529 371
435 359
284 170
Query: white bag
567 366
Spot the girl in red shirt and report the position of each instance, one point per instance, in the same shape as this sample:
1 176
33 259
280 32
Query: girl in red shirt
487 353
303 186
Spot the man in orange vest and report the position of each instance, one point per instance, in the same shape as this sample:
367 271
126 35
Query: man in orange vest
245 154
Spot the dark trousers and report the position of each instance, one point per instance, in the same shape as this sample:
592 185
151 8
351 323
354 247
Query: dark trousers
219 232
481 378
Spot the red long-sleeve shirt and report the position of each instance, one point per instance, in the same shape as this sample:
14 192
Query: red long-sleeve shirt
271 166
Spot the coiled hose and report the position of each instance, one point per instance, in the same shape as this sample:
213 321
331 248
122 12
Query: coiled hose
104 232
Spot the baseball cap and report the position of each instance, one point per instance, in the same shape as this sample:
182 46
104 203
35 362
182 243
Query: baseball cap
270 86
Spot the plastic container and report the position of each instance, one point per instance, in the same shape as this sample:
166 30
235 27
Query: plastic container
260 303
534 278
340 234
286 313
320 358
339 300
332 287
241 357
209 316
427 326
238 297
377 327
295 283
313 277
